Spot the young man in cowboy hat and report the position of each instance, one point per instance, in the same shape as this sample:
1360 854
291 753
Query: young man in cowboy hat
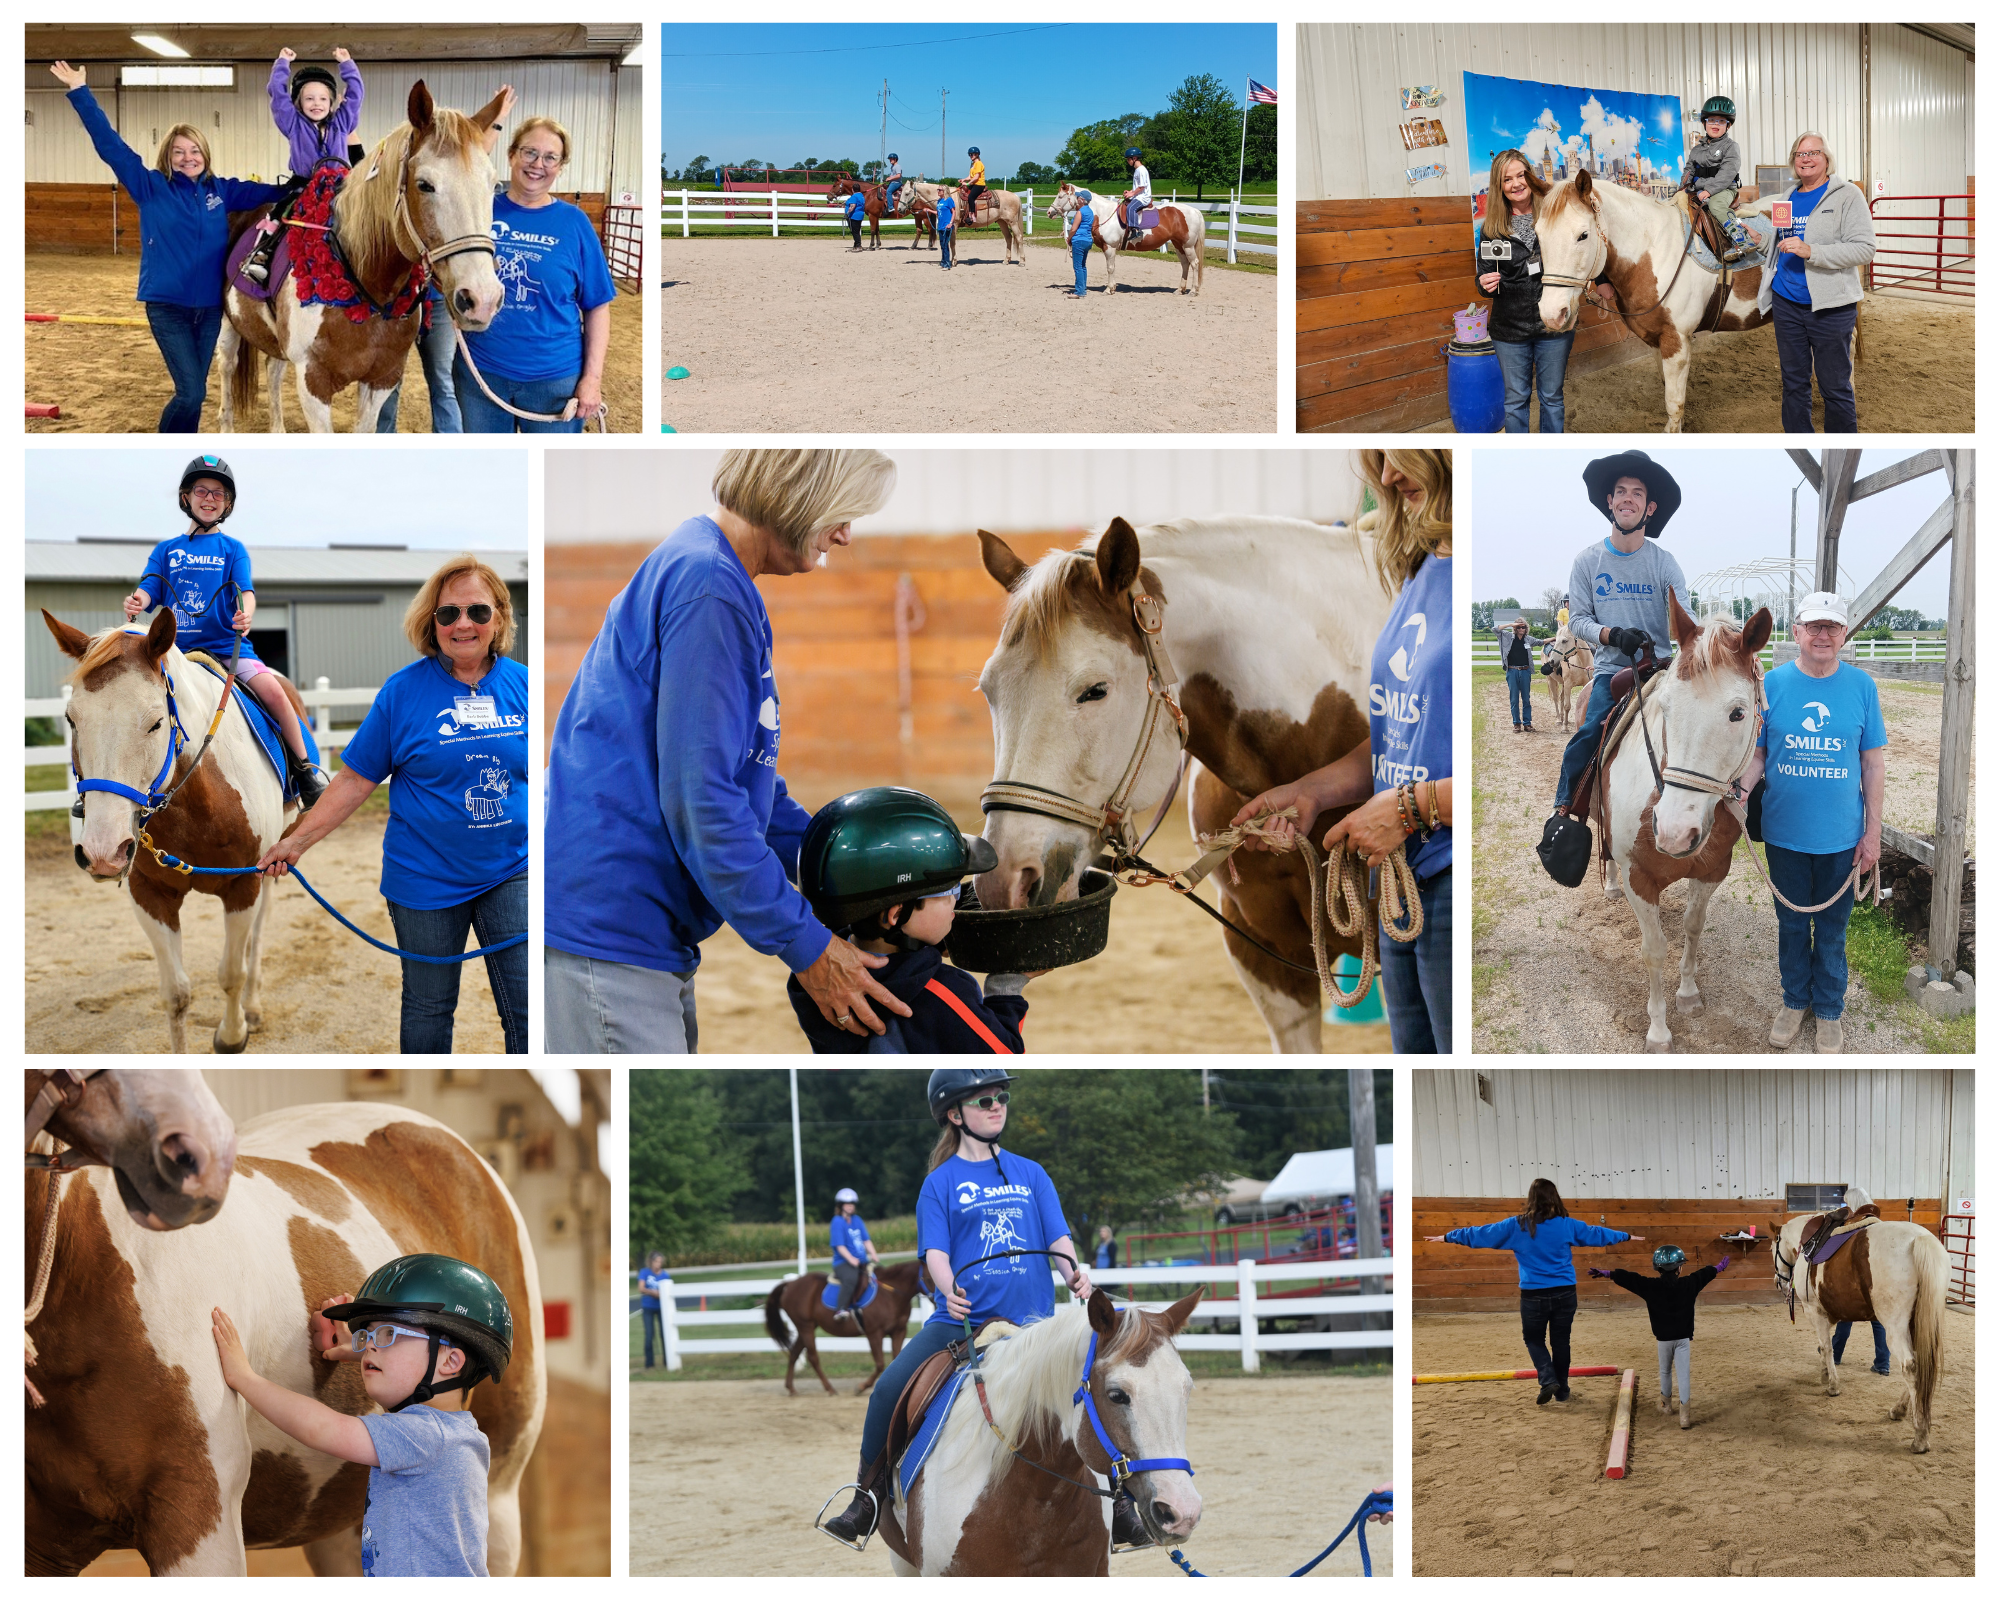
1520 667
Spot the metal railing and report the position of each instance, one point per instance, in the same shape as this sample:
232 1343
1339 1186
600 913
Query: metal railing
1956 1231
1486 652
1936 248
625 242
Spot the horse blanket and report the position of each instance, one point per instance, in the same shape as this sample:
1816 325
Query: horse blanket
932 1426
264 726
830 1295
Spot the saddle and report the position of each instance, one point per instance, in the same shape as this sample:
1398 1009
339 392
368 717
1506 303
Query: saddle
1708 244
1834 1230
1702 221
310 253
263 725
1148 218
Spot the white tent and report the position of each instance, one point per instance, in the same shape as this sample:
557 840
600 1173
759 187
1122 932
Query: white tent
1327 1175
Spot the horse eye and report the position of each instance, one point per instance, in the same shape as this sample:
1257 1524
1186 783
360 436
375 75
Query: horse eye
1582 236
425 186
1118 1397
155 728
1736 715
1096 691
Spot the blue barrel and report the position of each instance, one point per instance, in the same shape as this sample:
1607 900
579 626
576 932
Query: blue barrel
1476 390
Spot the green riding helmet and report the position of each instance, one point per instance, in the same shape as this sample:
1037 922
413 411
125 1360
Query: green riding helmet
1722 106
1669 1255
883 847
455 1303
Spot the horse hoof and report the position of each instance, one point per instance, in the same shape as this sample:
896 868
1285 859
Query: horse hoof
236 1049
1659 1047
1689 1004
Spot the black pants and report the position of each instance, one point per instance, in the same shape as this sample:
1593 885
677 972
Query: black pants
1815 347
848 1276
1546 1315
854 227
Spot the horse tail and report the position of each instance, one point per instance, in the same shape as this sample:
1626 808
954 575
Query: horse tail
242 376
774 1319
1927 1324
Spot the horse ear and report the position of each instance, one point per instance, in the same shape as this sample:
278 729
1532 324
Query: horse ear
1103 1314
422 110
1756 632
1178 1313
1686 629
74 641
1007 568
1118 557
160 636
484 117
1583 183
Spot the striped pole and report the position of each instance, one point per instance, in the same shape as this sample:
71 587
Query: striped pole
1525 1372
1621 1429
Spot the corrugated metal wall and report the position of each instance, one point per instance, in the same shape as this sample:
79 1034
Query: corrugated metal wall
1695 1135
1784 77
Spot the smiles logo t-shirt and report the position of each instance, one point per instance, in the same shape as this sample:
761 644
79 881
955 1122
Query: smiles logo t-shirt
968 1210
1814 732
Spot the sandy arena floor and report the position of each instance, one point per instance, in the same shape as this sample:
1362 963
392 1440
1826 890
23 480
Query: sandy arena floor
112 380
804 336
1281 1461
1776 1477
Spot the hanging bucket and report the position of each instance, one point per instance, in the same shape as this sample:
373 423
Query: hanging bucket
1474 387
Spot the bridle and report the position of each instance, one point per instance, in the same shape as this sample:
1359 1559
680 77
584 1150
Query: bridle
403 228
62 1090
1667 776
1558 280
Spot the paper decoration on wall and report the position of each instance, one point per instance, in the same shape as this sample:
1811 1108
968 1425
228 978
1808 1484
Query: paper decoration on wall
1422 96
1422 133
1418 174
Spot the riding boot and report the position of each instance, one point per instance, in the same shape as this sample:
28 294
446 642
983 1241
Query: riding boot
1127 1527
857 1522
257 264
310 781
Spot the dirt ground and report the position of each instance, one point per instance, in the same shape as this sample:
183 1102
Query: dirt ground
1281 1463
1163 983
112 380
1561 966
91 985
803 336
1504 1487
1914 376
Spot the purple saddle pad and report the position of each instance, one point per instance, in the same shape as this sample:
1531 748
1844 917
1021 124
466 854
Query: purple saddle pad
1833 1246
281 264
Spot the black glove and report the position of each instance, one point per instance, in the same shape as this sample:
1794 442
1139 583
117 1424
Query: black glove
1630 641
1547 668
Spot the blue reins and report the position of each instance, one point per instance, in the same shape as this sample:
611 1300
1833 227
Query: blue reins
1381 1500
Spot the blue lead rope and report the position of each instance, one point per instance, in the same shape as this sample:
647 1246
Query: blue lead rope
1381 1500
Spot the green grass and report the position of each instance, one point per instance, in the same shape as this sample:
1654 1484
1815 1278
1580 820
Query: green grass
1877 953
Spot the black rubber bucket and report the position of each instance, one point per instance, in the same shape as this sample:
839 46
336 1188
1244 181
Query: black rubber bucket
1036 937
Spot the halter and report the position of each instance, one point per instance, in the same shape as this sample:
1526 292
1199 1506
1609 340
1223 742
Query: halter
159 792
61 1091
1688 778
1558 280
403 227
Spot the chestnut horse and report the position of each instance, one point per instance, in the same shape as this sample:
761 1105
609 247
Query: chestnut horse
424 199
1271 625
875 207
141 1444
1182 227
888 1314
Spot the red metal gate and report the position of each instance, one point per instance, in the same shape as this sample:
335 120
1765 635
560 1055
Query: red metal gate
624 242
1922 241
1957 1236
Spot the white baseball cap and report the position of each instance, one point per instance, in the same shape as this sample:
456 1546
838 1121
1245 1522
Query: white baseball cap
1821 607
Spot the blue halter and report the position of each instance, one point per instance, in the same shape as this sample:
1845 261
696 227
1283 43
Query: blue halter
158 794
1121 1468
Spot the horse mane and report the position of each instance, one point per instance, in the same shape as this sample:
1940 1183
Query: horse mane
1719 646
366 206
1038 607
105 648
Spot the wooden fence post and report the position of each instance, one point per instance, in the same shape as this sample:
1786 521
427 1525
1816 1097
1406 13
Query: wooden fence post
1955 742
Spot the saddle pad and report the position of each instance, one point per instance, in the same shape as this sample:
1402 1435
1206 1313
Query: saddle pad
1765 232
1839 1239
262 725
927 1434
830 1295
281 264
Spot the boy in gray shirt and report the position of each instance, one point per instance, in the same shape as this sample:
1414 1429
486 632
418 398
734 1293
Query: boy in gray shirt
1714 171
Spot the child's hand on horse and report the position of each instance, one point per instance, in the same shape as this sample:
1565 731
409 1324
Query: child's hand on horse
229 1347
330 1339
1373 829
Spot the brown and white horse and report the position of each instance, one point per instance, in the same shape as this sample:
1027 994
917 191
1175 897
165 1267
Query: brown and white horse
1271 624
425 197
1586 227
1669 825
887 1316
997 207
974 1512
1573 660
141 1444
137 712
874 207
1182 227
1893 1273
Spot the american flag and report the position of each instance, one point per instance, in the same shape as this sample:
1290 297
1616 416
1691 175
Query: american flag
1261 96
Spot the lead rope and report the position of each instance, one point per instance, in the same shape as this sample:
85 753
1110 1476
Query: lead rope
568 413
44 1265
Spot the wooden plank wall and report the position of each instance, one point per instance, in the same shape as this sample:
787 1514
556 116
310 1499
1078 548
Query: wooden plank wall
80 219
1449 1277
1378 281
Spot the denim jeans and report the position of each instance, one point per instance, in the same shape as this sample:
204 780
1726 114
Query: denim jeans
946 237
1583 743
1521 695
186 336
435 350
651 1323
1079 255
544 395
1416 977
611 1008
924 1344
1881 1345
1546 1315
1812 950
430 993
1815 345
1544 361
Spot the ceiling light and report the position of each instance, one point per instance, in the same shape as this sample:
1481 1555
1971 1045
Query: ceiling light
159 44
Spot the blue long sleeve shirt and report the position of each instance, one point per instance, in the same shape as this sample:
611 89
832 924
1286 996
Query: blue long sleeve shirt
1543 1259
666 816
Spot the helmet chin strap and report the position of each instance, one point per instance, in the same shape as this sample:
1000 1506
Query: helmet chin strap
992 1145
431 1387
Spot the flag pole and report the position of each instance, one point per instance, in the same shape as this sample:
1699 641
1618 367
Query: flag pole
1243 138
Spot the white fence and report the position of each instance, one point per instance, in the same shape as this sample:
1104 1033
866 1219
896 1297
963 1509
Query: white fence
1247 1310
1486 651
319 700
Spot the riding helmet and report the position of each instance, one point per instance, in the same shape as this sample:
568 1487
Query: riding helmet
451 1300
301 76
1669 1255
1132 153
883 847
843 1196
894 157
950 1086
1720 106
208 467
972 149
1602 475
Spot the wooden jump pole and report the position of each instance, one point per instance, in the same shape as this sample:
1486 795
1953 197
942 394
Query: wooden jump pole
101 322
1621 1429
43 411
1526 1372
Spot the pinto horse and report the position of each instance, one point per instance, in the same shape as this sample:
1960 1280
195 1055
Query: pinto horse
135 700
1182 227
997 207
1893 1273
887 1315
1659 805
973 1512
423 202
1573 659
1587 227
1271 624
875 207
141 1444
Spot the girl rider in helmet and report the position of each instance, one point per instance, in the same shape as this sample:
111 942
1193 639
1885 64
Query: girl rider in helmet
977 1201
852 1248
975 186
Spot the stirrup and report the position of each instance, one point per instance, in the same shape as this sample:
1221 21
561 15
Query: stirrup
848 1544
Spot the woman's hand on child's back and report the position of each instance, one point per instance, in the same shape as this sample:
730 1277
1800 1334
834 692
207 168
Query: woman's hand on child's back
229 1346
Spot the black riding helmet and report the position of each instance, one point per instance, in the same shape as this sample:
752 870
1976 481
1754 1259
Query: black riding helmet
1602 475
972 149
953 1086
301 76
208 467
451 1300
883 847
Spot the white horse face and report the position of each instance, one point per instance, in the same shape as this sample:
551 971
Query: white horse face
1710 717
1147 1406
119 731
1572 247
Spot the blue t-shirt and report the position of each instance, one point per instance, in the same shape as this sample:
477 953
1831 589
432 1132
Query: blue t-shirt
650 1281
458 809
426 1513
1813 734
194 573
852 1233
1086 224
947 208
552 269
1543 1258
965 1210
1790 278
1409 699
856 206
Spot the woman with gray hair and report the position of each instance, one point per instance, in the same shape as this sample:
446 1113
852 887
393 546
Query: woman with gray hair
666 816
1812 287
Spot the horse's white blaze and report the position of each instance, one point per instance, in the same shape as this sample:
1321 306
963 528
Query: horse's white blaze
461 206
1155 1424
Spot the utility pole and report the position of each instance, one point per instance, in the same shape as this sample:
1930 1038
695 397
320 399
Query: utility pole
943 96
882 151
1792 571
1204 1091
798 1172
1367 1195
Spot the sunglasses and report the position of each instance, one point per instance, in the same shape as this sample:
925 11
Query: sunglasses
447 615
987 1102
383 1336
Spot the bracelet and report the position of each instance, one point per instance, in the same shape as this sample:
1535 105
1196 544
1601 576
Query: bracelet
1436 817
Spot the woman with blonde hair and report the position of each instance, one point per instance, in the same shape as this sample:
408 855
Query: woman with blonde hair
452 728
1399 778
666 815
1510 275
184 221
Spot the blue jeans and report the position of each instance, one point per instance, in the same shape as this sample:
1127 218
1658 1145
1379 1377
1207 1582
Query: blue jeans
1881 1345
1079 255
1583 743
612 1008
1546 1315
945 236
1544 360
1521 695
1416 977
430 993
186 336
1815 345
929 1340
545 395
435 350
1812 950
649 1320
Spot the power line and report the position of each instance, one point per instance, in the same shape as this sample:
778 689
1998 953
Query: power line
848 49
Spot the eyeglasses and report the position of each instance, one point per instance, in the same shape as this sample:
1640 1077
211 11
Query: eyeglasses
383 1336
987 1102
447 615
1820 629
208 494
540 158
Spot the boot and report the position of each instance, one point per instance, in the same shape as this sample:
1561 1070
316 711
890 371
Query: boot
1738 239
311 782
1785 1026
1128 1529
1685 1423
1666 1404
853 1526
257 264
1830 1040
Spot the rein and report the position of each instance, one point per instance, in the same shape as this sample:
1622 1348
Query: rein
601 416
1377 1503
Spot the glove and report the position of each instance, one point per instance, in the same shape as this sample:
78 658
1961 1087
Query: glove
1630 641
1547 668
1599 1272
1722 1265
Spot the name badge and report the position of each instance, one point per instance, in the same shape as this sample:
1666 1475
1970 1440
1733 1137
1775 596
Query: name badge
1534 269
476 708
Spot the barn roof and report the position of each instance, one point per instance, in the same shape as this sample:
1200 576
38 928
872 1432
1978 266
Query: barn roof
53 561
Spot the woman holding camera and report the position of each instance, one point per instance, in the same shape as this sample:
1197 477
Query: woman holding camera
1510 275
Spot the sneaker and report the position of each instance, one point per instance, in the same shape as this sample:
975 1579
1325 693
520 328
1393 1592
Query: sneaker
1829 1036
1545 1396
1735 252
1785 1026
255 270
310 780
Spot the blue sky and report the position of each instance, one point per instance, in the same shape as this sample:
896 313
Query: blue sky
1515 113
1017 93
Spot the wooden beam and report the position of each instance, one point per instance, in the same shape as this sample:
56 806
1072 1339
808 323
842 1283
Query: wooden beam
1954 804
1837 473
1900 472
1803 460
1913 845
1925 543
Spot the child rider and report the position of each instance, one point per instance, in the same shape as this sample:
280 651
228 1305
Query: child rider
1670 1308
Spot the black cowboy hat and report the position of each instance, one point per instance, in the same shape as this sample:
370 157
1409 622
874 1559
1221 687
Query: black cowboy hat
1602 475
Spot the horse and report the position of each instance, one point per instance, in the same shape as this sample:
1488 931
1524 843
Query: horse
971 1512
424 203
1181 226
1893 1273
1573 671
1587 227
141 1444
997 207
799 1299
1657 807
135 697
875 207
1271 623
921 212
